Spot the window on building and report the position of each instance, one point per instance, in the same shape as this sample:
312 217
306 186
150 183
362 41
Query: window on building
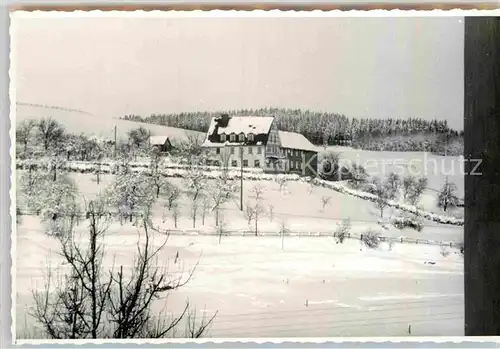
256 163
234 163
250 150
241 137
259 150
250 137
223 137
292 165
232 150
268 164
299 165
245 163
232 137
217 151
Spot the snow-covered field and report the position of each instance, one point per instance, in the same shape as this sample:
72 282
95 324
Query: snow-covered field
267 286
312 287
96 125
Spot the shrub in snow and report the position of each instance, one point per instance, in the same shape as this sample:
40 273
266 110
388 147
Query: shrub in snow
359 176
444 251
370 239
461 248
343 230
408 221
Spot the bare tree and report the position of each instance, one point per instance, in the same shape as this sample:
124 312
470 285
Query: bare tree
408 184
249 213
196 329
220 192
270 212
80 305
256 209
325 201
418 189
343 230
283 231
221 228
55 164
447 196
76 309
195 182
50 132
24 132
98 164
393 185
282 183
131 299
158 181
190 147
176 213
172 194
382 192
205 205
130 193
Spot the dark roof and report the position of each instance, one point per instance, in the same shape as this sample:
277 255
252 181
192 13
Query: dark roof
259 126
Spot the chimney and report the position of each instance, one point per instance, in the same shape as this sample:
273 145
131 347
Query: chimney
223 120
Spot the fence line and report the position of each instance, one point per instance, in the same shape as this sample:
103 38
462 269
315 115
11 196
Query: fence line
247 232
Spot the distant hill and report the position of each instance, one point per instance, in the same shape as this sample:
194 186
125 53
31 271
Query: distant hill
78 122
321 128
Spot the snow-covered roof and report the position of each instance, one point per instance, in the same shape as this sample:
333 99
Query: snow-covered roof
158 140
294 140
245 124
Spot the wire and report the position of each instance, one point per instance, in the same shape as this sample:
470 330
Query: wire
332 311
350 325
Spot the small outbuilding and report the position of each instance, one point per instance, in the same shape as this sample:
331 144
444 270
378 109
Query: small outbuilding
161 143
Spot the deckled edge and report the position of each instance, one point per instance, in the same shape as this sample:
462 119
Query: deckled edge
257 13
220 14
12 189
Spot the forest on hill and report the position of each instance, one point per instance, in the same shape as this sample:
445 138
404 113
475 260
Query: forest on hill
322 128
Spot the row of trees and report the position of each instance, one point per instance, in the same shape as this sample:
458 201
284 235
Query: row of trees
409 188
47 137
94 300
319 128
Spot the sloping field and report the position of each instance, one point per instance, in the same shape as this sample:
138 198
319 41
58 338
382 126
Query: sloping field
92 125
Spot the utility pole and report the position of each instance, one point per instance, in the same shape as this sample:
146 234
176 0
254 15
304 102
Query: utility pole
241 177
114 152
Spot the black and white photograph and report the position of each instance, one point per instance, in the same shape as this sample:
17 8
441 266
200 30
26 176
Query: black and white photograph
237 175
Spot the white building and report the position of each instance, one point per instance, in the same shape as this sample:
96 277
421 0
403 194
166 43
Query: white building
254 141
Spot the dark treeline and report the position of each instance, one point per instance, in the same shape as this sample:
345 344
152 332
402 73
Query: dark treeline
330 128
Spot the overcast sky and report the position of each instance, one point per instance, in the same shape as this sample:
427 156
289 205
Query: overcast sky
361 67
